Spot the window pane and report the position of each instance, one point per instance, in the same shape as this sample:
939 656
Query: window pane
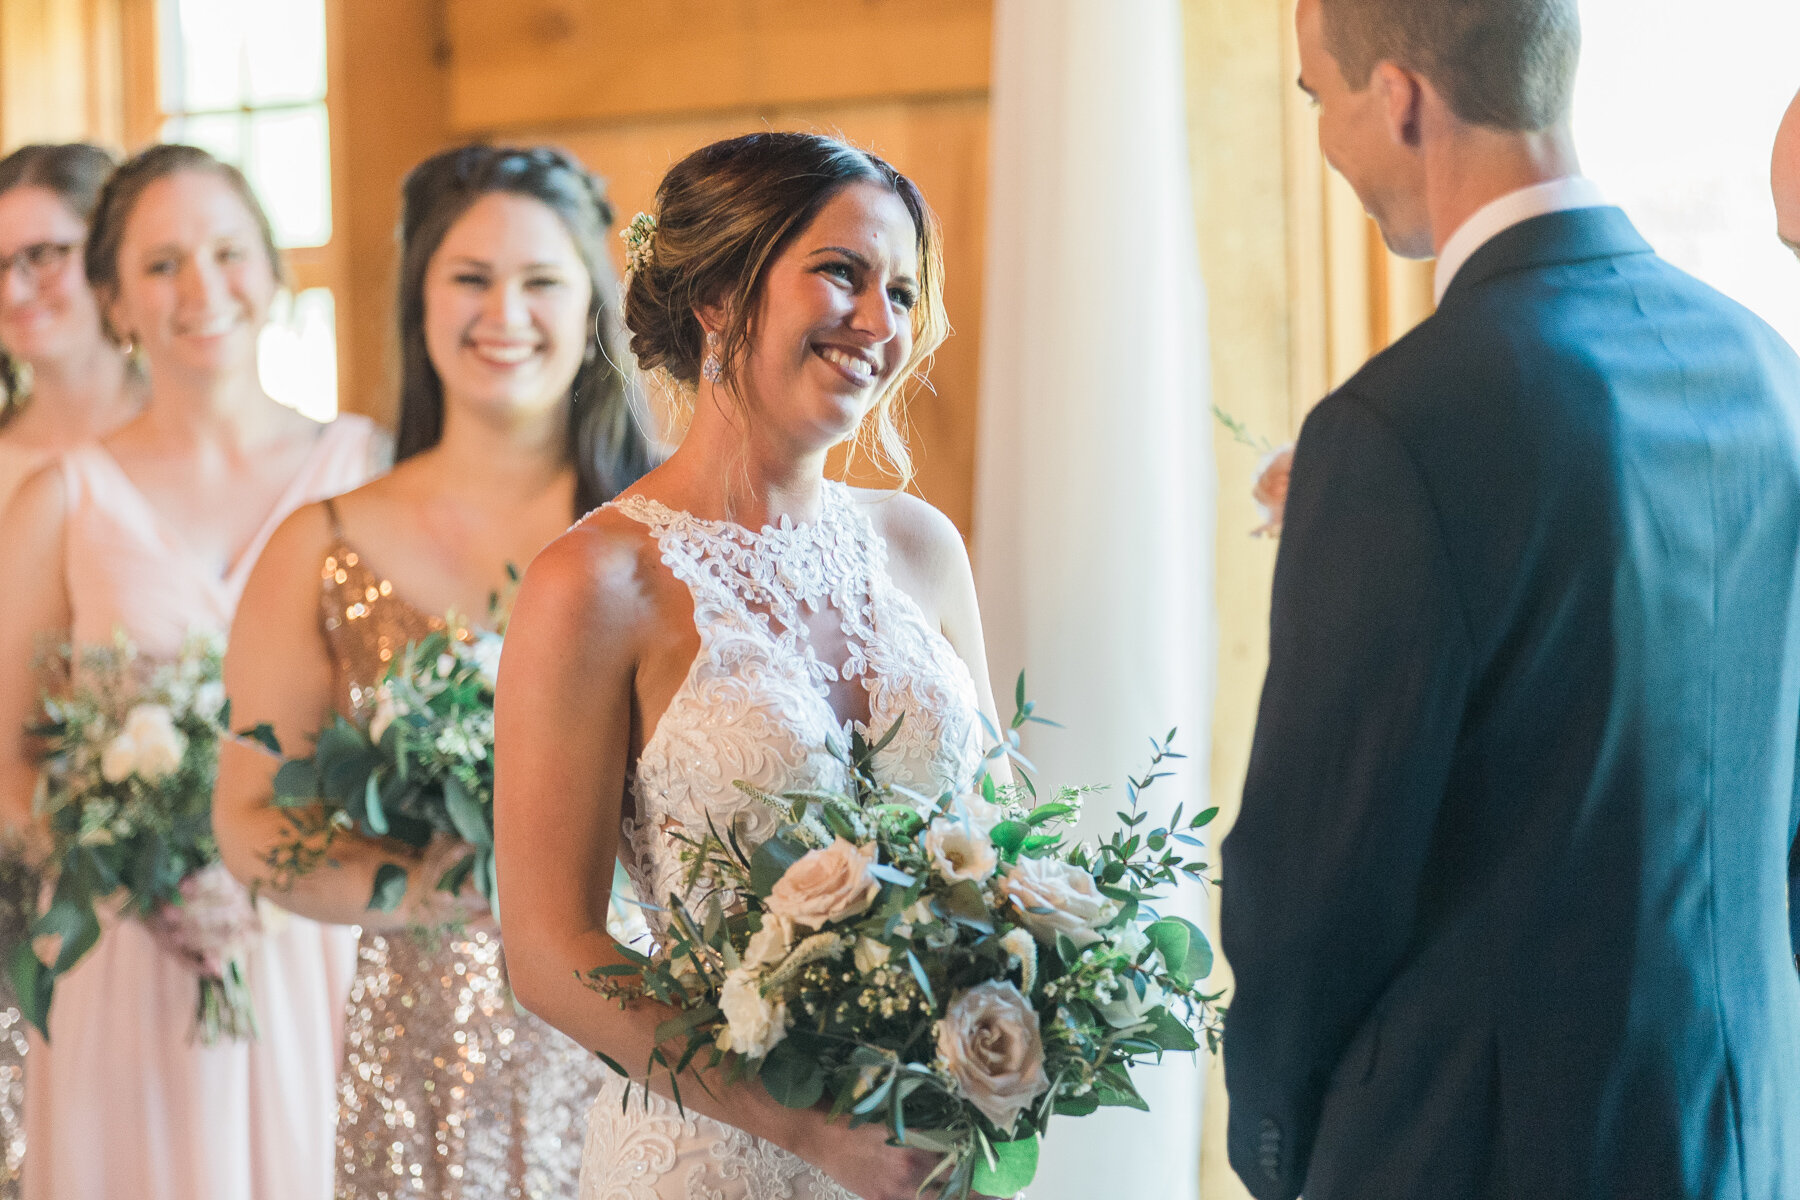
221 134
285 42
297 354
203 49
289 164
1675 115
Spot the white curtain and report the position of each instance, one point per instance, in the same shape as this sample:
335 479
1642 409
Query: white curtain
1094 505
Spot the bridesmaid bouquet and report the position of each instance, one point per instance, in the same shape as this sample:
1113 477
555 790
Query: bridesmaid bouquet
131 753
423 767
953 967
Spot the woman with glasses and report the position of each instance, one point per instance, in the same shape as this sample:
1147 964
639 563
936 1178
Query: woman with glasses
62 380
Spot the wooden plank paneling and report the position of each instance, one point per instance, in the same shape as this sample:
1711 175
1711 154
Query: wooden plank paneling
388 113
942 145
535 62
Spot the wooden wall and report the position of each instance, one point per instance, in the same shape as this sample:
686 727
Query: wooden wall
75 70
632 85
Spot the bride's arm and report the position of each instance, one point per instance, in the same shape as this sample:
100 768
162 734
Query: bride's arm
34 616
563 733
278 671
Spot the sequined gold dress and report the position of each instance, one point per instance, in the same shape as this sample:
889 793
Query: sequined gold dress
449 1089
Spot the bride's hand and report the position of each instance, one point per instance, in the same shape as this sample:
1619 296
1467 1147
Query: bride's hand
866 1166
863 1162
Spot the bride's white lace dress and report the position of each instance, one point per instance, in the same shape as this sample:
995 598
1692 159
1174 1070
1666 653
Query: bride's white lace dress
755 706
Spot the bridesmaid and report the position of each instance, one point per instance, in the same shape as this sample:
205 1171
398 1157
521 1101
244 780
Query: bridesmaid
62 381
514 420
153 530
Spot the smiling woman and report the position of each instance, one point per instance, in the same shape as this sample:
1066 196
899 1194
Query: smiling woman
149 534
514 420
712 262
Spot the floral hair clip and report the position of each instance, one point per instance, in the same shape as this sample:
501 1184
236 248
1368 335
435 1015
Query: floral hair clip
637 237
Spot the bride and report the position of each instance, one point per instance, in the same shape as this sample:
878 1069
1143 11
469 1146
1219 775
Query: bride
724 616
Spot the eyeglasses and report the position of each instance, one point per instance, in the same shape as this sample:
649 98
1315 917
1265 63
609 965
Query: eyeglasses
35 260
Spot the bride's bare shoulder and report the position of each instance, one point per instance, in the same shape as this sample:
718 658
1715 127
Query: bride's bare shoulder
919 537
599 576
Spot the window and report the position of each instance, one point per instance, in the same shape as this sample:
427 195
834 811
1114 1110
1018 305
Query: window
1675 117
247 80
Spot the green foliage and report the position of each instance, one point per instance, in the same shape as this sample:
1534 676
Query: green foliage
422 768
858 1004
131 748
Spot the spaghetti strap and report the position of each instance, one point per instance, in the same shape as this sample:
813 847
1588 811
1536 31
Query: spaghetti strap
331 514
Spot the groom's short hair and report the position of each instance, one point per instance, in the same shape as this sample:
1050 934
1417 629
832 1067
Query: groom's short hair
1506 64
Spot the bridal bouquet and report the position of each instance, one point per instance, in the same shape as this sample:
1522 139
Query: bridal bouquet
953 967
126 793
423 767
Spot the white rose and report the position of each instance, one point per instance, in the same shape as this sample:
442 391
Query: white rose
159 745
871 954
959 851
1068 900
1127 1008
209 699
755 1024
990 1044
826 885
772 943
485 650
974 808
385 712
119 759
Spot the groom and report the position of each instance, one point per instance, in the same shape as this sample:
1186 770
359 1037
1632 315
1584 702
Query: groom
1508 901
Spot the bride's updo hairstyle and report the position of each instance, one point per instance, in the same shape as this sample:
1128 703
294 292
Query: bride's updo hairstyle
723 215
605 441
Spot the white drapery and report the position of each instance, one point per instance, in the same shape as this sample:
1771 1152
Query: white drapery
1094 497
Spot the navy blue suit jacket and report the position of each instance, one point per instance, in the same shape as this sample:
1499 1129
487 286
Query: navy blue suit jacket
1507 904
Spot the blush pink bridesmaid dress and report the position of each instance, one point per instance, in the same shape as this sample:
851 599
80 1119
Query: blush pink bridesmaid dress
122 1103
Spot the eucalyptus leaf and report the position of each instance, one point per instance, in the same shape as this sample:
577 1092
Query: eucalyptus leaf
1014 1167
470 816
297 782
770 863
792 1075
374 814
390 887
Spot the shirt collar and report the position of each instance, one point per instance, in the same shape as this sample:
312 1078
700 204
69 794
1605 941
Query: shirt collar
1497 216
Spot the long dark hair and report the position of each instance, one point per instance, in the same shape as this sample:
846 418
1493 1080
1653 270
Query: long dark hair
605 442
75 172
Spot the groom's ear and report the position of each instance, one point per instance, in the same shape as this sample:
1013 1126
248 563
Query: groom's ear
1402 96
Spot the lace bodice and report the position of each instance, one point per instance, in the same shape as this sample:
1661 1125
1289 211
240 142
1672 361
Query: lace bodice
755 704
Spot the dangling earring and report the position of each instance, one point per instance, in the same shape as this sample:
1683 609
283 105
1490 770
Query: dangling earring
712 368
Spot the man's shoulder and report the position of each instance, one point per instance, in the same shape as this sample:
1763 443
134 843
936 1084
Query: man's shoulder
1535 335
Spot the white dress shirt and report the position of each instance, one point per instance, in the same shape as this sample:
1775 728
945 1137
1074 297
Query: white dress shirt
1497 216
